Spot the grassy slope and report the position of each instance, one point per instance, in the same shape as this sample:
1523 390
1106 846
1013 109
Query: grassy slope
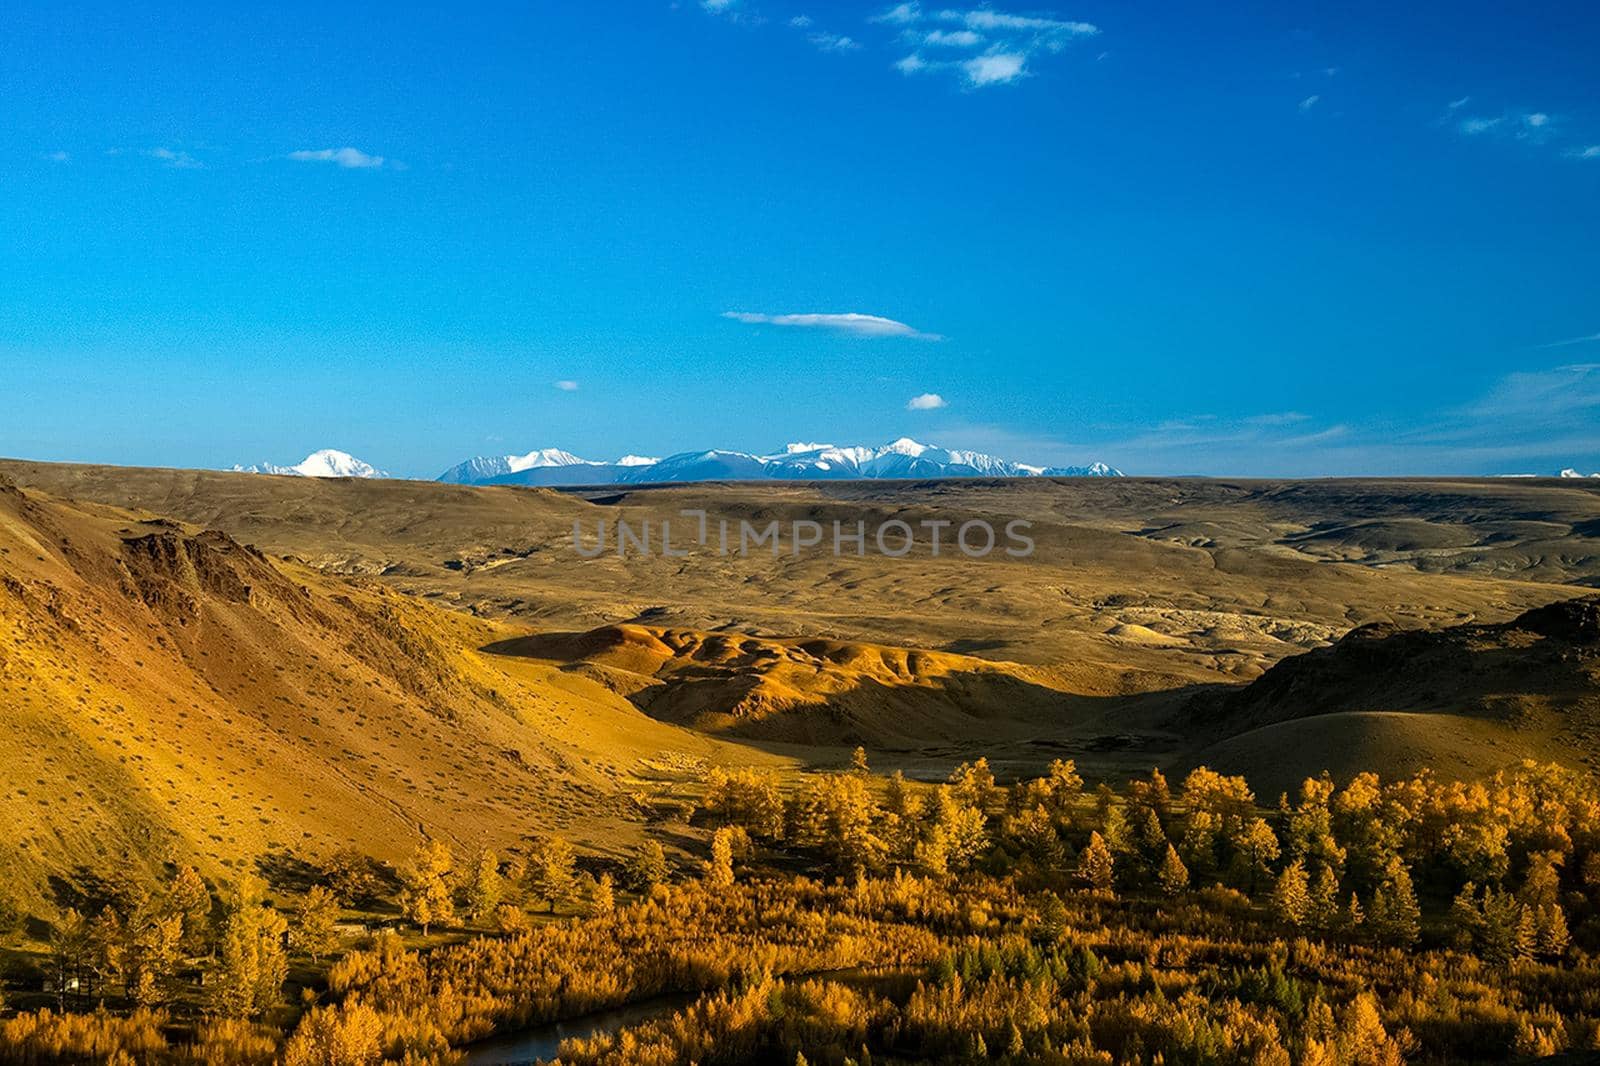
177 695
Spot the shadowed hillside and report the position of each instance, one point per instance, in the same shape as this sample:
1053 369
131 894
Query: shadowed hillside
818 691
1461 701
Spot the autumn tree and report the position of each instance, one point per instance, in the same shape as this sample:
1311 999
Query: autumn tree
552 871
190 900
1324 914
1291 895
351 876
973 783
314 922
1095 864
1173 874
426 898
152 947
719 870
69 954
600 895
251 962
1395 916
485 887
956 836
1255 849
647 866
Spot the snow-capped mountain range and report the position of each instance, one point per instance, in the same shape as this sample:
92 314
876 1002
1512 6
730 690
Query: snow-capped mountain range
325 463
904 458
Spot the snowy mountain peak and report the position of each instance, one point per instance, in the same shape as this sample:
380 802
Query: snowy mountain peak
903 446
798 461
328 462
545 457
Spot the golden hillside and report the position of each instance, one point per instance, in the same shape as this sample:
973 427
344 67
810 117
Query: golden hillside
812 691
170 693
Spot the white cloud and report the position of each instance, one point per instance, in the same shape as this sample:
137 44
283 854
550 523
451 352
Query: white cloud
996 68
175 159
1012 40
853 323
1476 125
1536 119
717 7
1456 105
901 15
833 42
952 39
1309 102
1590 152
800 22
58 157
928 401
567 386
347 158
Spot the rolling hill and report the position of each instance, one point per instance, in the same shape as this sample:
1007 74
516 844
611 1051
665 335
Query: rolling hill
810 691
167 692
1460 701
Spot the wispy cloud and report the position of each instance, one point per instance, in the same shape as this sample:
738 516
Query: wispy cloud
347 158
1008 41
58 157
834 42
175 159
1528 126
952 39
900 15
1309 102
567 386
853 323
1053 29
1530 421
928 401
1588 339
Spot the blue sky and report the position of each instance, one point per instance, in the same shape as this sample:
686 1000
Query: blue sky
1281 238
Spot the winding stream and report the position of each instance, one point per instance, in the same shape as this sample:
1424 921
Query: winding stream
541 1043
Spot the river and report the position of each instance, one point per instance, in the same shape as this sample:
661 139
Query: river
541 1043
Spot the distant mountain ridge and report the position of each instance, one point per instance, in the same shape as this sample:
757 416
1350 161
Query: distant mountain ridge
804 461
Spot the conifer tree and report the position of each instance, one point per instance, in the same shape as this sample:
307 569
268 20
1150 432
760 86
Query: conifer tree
1291 896
1096 867
719 870
1173 875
